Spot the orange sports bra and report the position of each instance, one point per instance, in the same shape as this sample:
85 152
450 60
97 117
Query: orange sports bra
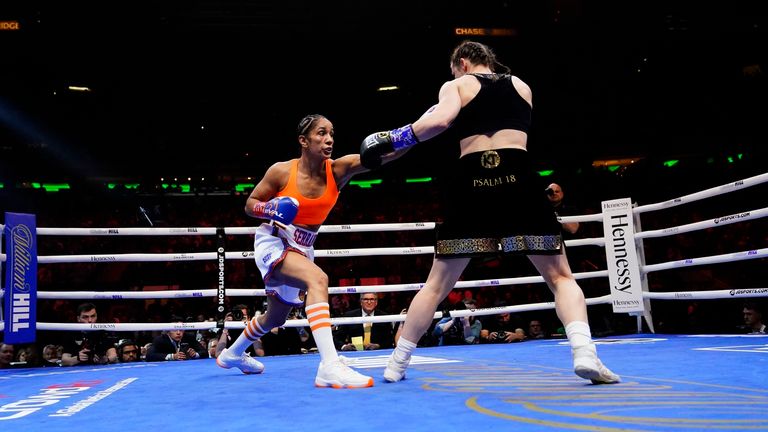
312 211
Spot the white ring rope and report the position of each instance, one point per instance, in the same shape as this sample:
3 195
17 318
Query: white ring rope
711 192
160 231
199 256
696 226
714 259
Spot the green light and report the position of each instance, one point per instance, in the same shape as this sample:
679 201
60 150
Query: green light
111 186
132 185
546 173
185 187
365 184
613 168
670 163
164 185
730 159
55 187
2 185
242 187
36 185
419 180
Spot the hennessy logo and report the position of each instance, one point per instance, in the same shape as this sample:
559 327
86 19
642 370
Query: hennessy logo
490 159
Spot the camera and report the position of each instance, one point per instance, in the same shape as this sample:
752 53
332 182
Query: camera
550 191
501 336
237 314
183 347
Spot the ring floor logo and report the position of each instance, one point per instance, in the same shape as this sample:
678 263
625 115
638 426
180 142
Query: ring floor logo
59 400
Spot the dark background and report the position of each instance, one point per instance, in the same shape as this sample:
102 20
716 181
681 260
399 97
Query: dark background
215 88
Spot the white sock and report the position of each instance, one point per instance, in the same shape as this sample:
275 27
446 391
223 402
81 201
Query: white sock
251 332
319 317
404 349
578 334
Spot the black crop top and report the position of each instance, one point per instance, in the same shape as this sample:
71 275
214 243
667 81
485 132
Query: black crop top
496 106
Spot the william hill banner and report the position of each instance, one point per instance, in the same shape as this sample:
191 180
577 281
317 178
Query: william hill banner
20 299
620 252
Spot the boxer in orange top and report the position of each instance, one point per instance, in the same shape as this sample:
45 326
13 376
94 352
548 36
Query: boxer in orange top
295 197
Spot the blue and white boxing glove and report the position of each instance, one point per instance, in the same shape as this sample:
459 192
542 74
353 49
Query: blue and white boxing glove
279 209
376 145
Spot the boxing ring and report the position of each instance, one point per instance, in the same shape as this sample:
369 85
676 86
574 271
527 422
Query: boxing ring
669 382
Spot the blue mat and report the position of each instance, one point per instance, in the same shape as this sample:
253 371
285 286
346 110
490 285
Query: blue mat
680 383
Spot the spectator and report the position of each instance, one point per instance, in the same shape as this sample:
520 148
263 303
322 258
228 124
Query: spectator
145 349
173 345
536 330
52 355
504 328
27 356
374 335
457 331
556 195
212 343
128 351
88 347
753 318
6 355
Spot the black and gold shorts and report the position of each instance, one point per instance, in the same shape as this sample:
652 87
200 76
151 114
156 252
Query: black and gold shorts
496 204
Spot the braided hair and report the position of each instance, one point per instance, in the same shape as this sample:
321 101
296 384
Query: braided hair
477 53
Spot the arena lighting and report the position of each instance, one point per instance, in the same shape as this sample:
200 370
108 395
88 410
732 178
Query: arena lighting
670 163
615 162
419 180
55 187
185 187
78 89
2 185
111 186
478 31
242 187
545 173
365 184
388 88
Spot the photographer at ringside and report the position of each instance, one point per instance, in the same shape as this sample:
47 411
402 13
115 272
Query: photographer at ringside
502 328
176 345
83 348
228 336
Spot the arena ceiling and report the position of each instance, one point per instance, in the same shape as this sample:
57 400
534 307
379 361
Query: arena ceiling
216 87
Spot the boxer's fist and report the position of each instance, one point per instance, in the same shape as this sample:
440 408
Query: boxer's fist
379 144
375 146
280 209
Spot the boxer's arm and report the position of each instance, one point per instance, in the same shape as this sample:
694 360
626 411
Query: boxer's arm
434 121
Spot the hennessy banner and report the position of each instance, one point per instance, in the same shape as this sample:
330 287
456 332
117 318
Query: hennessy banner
621 255
20 299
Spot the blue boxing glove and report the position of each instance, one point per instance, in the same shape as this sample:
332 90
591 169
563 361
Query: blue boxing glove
376 145
279 209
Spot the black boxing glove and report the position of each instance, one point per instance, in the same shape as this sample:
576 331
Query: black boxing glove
377 145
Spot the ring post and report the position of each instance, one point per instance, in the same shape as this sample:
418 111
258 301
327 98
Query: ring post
20 299
621 257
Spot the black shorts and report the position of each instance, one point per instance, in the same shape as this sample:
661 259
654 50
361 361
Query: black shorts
495 203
